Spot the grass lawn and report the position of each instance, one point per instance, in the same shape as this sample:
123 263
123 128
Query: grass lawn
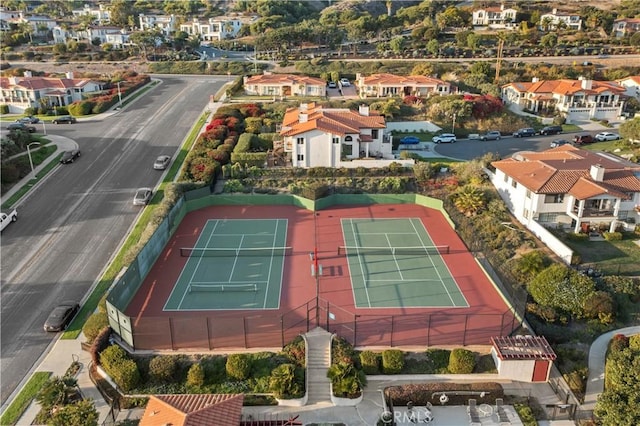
611 257
19 405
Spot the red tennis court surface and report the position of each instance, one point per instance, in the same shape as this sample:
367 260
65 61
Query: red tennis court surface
333 309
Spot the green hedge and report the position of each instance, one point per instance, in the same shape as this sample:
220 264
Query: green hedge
238 366
370 362
392 361
256 159
462 361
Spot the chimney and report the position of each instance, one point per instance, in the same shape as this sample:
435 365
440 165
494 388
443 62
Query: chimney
304 107
28 74
13 80
303 117
502 6
555 11
69 75
535 80
587 83
597 172
364 110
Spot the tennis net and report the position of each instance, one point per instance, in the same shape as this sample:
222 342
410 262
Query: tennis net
222 287
392 251
239 252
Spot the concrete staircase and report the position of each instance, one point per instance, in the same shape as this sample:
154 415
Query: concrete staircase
318 348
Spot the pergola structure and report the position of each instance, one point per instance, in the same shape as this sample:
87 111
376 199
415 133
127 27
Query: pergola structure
526 358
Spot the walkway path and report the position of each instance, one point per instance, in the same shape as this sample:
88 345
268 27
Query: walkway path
597 354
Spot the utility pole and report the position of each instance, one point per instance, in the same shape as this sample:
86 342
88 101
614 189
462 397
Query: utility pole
499 59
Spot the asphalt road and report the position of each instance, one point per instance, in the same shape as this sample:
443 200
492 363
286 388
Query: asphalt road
71 224
505 147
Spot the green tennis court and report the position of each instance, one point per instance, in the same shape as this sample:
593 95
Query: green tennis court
394 263
235 264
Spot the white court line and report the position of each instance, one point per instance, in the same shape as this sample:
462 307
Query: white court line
384 233
273 244
197 266
227 282
364 280
404 281
434 265
395 259
235 260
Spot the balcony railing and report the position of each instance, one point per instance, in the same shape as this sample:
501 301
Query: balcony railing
595 212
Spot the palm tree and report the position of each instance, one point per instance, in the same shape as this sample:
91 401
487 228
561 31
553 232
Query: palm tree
57 392
469 200
389 3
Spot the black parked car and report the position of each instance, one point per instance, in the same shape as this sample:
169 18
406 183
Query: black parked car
551 130
64 119
22 127
524 132
69 156
61 316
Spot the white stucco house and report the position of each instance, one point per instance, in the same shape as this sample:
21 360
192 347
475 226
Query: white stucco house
551 20
569 186
625 26
269 84
20 93
631 85
165 23
101 14
315 136
385 85
577 100
218 28
494 17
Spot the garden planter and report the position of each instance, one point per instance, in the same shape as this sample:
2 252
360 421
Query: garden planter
345 402
295 402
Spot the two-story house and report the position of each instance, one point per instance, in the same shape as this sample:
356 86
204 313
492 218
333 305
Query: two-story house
385 85
631 85
625 26
551 21
494 17
165 23
101 14
569 186
578 100
20 93
284 85
315 136
218 28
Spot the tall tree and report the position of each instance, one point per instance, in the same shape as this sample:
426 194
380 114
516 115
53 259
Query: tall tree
120 11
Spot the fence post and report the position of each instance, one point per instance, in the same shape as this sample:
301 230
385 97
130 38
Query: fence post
464 335
244 330
282 330
391 331
208 334
171 333
429 330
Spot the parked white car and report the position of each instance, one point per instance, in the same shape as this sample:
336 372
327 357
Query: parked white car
444 138
7 218
344 82
607 136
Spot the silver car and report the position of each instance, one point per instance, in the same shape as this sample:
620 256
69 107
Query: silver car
142 197
162 162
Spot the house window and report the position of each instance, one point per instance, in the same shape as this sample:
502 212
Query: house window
525 213
554 198
548 217
300 157
335 140
347 149
506 178
348 138
374 133
300 141
514 183
528 194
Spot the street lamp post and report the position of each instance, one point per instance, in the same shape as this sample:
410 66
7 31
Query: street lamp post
453 125
44 127
29 153
119 95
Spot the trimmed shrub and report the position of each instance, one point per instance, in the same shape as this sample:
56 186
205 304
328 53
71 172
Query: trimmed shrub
285 382
195 376
112 356
612 236
462 361
599 302
370 362
634 342
296 351
126 375
618 343
392 361
100 343
95 323
162 368
238 366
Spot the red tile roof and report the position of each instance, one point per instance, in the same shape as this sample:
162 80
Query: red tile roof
565 87
284 79
385 79
567 170
38 83
193 410
330 120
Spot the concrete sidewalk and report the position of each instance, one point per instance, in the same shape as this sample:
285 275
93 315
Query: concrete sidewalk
597 355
